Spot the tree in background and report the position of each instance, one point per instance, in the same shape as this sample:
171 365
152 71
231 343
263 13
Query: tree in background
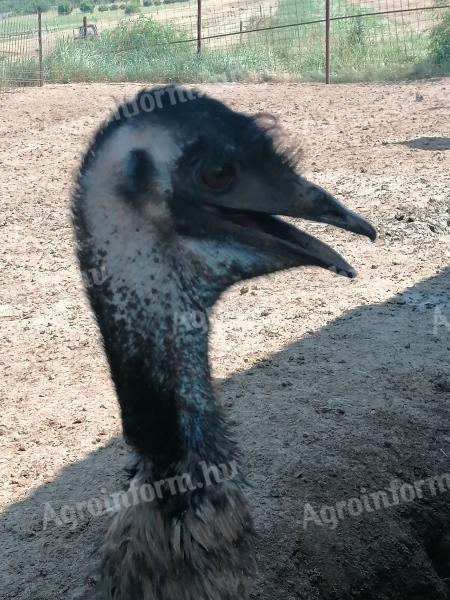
65 8
31 6
133 7
87 6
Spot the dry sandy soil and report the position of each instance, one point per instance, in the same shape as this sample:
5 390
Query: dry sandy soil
335 388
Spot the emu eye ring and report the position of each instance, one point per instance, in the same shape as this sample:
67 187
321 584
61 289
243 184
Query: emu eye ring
219 178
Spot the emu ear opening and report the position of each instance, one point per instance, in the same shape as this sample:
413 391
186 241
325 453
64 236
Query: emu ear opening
138 173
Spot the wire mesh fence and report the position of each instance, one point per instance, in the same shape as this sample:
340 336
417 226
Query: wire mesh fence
18 37
204 40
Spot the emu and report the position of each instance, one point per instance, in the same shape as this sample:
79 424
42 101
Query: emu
176 200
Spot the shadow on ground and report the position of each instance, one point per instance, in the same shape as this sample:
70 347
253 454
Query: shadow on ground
428 143
338 415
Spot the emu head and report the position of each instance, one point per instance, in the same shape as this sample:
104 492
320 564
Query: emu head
181 190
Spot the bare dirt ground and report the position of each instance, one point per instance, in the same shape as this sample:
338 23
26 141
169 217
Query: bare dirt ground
335 388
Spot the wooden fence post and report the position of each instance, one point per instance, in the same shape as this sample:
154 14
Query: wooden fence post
85 27
199 26
41 53
327 39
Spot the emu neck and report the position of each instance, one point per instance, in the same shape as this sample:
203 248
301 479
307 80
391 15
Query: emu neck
159 363
155 330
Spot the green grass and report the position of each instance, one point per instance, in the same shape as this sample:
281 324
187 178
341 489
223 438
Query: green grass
363 48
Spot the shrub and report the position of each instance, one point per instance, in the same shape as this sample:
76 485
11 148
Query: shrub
31 6
44 5
87 6
65 8
148 2
140 36
440 41
113 7
103 7
133 8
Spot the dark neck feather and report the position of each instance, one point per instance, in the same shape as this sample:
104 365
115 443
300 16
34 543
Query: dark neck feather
164 388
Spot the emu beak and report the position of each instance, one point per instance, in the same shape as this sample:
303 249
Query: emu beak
257 210
315 204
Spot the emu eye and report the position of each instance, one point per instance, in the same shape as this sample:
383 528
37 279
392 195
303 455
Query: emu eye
219 178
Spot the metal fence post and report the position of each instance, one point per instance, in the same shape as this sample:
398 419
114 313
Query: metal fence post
327 39
199 26
41 54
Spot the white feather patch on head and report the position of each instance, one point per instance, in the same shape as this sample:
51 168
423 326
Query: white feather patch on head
152 138
104 210
129 242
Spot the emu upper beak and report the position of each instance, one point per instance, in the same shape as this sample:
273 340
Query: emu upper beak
316 204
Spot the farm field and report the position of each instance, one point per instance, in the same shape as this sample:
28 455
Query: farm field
52 20
255 40
332 386
186 8
419 20
181 13
219 17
